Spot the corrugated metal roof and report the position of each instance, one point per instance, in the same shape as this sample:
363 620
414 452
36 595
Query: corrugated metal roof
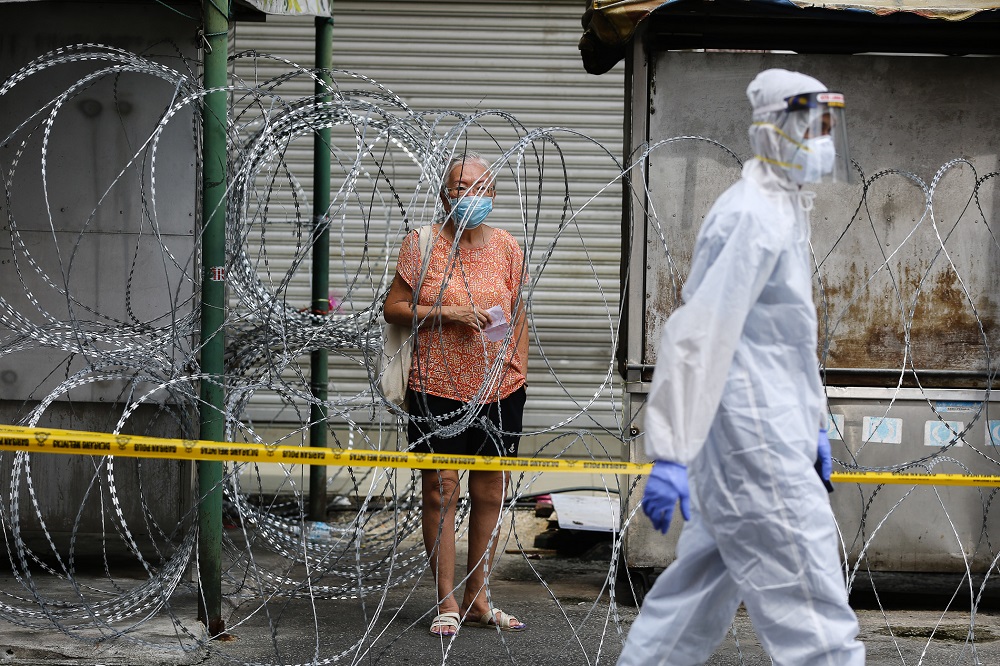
284 7
293 7
610 24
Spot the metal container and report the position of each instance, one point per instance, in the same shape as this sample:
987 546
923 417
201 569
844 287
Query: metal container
906 281
916 527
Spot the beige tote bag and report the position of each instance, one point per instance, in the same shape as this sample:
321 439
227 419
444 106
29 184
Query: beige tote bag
397 348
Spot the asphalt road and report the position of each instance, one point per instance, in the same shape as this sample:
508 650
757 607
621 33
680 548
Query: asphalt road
564 601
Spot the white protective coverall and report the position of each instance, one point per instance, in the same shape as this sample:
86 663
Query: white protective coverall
737 397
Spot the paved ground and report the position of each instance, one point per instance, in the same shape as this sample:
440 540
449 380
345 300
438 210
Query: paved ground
563 599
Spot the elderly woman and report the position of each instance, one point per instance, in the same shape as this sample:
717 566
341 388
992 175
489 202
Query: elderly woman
467 369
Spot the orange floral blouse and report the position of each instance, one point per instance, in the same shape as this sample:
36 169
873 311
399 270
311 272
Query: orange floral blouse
453 361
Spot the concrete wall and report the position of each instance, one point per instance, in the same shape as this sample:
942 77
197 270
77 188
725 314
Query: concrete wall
85 216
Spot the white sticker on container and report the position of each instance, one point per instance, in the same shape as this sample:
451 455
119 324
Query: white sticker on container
882 429
941 433
835 426
994 434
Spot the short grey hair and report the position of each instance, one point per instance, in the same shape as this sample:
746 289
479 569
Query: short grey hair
461 159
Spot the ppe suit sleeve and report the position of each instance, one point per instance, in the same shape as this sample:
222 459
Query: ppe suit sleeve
700 338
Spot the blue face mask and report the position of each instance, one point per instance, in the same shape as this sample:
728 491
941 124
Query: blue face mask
469 212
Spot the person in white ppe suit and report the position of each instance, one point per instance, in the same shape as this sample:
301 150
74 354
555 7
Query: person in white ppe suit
734 409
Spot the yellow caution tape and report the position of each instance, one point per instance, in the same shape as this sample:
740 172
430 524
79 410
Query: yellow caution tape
48 440
78 442
904 478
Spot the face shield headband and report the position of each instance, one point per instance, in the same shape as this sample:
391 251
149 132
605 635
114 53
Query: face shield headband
821 155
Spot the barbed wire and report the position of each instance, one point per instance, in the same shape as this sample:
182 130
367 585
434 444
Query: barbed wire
136 348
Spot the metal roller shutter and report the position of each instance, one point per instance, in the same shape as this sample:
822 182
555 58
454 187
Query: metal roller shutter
521 58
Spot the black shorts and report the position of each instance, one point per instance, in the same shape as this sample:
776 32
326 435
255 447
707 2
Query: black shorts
506 415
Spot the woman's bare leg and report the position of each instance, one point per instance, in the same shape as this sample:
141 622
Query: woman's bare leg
440 498
486 492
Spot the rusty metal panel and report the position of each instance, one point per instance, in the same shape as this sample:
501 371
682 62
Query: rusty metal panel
906 258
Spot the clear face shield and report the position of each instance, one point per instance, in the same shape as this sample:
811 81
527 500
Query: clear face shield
822 156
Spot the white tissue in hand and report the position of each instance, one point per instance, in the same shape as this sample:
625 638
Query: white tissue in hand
498 326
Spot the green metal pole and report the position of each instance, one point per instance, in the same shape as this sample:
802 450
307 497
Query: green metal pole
319 370
213 302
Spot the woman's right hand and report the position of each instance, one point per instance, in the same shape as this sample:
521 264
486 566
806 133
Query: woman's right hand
466 315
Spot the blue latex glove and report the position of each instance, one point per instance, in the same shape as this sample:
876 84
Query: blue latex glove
667 483
824 462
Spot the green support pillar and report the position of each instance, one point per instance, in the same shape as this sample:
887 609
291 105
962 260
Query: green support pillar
319 372
215 116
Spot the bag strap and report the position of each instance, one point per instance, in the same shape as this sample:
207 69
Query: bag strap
425 240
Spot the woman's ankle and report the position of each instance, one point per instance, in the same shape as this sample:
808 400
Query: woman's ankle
448 608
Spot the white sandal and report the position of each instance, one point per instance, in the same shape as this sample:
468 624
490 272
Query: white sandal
447 625
497 619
